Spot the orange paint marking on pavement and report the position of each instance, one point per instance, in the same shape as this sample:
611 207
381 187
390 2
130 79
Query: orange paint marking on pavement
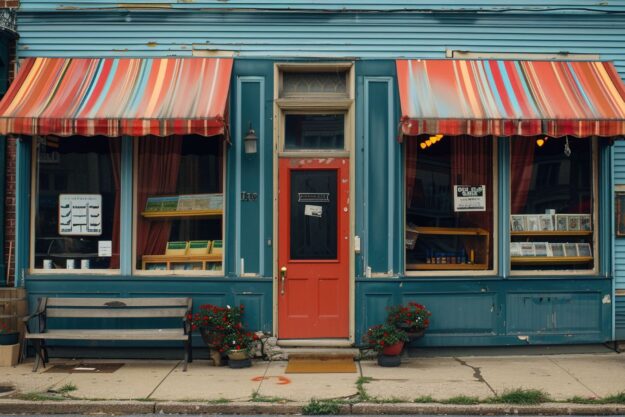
282 380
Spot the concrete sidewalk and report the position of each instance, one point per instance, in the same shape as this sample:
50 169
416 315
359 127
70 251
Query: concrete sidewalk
265 387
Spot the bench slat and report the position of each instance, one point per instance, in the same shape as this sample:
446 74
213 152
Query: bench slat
115 312
122 334
117 302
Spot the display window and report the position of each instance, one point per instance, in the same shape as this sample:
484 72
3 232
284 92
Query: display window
450 214
76 204
553 219
179 203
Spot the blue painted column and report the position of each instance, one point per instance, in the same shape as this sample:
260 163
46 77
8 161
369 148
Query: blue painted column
125 235
22 208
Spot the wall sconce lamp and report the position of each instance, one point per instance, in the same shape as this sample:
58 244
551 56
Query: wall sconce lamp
250 141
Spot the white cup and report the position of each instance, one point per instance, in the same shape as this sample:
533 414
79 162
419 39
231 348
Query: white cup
47 264
70 264
85 264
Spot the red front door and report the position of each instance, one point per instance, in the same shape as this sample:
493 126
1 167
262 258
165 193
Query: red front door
313 248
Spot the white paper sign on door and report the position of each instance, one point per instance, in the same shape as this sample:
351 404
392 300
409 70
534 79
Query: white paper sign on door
80 214
314 211
469 198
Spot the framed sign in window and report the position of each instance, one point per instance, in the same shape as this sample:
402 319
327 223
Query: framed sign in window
619 209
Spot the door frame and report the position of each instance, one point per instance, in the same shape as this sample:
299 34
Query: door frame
315 104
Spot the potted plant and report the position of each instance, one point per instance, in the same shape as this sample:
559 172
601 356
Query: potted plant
214 323
8 336
237 344
412 318
388 341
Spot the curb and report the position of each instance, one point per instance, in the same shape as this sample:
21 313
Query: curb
181 407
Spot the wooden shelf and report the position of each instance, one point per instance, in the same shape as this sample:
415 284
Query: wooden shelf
450 231
550 260
181 214
552 233
170 260
446 267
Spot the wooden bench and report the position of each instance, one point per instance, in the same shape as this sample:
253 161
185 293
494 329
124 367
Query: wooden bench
110 308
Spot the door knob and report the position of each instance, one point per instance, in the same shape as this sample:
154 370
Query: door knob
282 279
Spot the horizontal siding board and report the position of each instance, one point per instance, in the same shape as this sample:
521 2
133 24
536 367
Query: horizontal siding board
530 5
379 35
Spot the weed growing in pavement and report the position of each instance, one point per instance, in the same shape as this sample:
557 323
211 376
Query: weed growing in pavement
522 396
220 400
424 399
462 400
257 398
67 388
321 407
614 399
360 387
39 396
583 400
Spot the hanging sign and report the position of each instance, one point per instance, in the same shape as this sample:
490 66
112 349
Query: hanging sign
469 198
80 214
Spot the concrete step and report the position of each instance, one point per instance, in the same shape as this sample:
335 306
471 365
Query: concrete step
318 352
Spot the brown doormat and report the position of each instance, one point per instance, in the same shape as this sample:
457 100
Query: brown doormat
85 368
321 365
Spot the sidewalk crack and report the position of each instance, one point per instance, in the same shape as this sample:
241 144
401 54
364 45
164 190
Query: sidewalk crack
477 374
574 377
164 378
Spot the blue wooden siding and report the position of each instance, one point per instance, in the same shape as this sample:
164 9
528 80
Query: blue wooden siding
528 5
466 311
383 35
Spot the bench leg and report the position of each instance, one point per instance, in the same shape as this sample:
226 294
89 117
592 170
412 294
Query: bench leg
186 356
38 354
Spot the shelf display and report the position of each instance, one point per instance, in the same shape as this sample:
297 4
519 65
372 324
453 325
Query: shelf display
568 240
471 248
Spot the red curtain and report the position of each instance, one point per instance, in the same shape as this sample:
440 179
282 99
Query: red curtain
115 149
159 166
521 167
472 164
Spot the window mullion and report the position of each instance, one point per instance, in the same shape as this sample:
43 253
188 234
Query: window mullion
125 245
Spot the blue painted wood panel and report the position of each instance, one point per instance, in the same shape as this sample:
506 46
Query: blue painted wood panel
528 5
376 35
495 312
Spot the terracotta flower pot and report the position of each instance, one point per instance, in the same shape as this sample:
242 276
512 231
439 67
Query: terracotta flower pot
237 354
393 350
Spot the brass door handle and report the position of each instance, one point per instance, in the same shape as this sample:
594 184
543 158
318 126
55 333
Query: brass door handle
282 279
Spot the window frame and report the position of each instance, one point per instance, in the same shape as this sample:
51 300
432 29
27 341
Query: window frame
529 273
142 273
34 182
495 234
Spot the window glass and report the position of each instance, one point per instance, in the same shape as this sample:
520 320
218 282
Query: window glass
76 205
449 203
314 131
551 223
179 203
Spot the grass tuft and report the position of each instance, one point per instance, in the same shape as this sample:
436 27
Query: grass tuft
360 387
462 400
321 407
67 388
614 399
257 398
39 396
220 400
522 396
424 399
583 400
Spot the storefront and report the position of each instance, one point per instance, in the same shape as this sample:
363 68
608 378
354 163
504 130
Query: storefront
319 191
493 207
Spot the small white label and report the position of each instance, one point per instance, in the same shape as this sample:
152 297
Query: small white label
314 211
105 248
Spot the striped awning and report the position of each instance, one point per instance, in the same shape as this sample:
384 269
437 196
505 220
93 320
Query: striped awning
505 98
117 96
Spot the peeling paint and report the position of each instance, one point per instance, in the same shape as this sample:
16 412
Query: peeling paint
140 6
606 299
524 338
152 44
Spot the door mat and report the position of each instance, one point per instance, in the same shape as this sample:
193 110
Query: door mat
321 365
85 368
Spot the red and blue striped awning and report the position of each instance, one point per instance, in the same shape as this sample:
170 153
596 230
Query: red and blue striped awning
505 98
117 96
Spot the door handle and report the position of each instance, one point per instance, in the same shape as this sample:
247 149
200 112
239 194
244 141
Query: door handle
282 279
